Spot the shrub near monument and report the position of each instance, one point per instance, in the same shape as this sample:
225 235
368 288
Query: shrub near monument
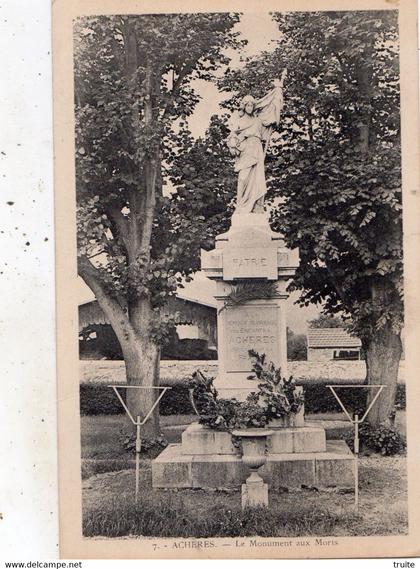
276 398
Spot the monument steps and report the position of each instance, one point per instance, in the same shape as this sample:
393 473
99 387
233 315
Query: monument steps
296 456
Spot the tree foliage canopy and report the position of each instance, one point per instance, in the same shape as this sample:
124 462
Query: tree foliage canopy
334 164
326 321
133 94
149 196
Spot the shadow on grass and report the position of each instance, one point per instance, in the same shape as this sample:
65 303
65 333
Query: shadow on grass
91 467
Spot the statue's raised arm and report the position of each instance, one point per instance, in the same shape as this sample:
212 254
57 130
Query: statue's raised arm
269 107
248 131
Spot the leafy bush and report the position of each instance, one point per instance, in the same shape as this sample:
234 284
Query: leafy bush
247 415
275 397
400 401
383 439
97 399
149 447
176 401
320 399
296 346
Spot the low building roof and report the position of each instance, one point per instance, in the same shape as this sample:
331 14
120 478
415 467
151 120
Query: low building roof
187 311
331 338
178 295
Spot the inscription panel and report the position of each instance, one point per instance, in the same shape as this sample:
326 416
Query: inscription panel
250 327
249 262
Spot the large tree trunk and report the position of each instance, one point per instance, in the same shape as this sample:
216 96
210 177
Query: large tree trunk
383 356
142 362
383 349
141 354
142 358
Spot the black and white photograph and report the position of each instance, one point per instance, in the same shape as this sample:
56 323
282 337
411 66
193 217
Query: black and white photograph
239 309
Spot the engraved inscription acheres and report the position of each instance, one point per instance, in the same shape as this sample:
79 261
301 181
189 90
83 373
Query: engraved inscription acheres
252 327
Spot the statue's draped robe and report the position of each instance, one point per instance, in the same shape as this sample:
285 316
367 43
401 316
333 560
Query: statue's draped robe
247 135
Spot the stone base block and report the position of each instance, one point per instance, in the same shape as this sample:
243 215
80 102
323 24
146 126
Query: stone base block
334 467
297 440
297 420
172 469
199 440
202 441
330 469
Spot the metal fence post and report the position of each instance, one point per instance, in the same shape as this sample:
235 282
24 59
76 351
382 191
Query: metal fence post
356 461
138 449
356 421
138 422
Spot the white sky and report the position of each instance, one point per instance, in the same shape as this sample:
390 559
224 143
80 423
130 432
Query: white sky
260 31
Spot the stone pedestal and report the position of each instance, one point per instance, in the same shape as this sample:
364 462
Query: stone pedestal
250 252
199 440
297 453
254 492
296 456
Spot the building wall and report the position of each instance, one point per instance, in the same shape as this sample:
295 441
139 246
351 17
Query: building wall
103 371
326 354
320 354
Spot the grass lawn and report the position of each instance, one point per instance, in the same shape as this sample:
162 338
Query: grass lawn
109 508
100 433
102 450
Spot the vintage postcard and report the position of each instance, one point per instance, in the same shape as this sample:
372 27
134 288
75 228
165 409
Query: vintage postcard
237 215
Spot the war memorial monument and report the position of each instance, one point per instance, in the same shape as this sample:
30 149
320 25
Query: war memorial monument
295 451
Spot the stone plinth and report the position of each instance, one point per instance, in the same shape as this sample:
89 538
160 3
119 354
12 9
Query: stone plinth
254 493
199 440
332 468
297 454
297 440
250 252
